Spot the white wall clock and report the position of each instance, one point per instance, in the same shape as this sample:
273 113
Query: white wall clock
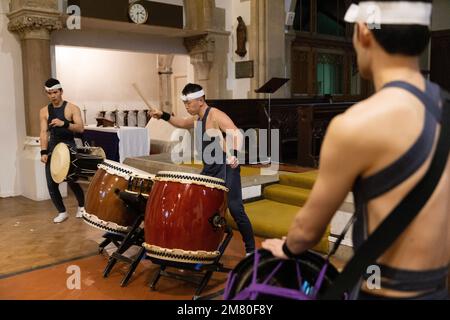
138 13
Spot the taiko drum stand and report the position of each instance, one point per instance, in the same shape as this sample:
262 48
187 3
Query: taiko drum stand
136 206
201 280
113 238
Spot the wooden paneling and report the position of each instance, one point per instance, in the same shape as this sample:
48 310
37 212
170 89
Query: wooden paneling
302 123
440 62
116 10
300 71
165 15
313 123
159 14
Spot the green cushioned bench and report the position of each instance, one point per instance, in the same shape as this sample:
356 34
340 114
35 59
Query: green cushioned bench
272 217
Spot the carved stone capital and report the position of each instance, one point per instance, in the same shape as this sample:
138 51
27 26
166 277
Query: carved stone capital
34 24
200 44
202 52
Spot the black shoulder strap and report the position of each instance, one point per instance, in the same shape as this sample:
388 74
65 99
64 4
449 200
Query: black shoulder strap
51 112
399 219
205 116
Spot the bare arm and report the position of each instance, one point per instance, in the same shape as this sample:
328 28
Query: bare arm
234 136
77 125
43 118
340 165
184 123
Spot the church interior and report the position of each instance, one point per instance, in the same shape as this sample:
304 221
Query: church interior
283 66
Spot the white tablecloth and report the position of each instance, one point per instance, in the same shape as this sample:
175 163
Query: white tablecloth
133 141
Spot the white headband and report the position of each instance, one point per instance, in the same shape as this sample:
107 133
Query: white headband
192 96
55 87
390 12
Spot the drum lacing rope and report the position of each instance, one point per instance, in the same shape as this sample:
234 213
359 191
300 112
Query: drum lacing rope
193 178
126 171
255 289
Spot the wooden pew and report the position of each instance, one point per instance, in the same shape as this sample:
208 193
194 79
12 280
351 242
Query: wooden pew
313 121
250 114
302 123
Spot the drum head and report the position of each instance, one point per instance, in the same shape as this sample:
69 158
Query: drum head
60 163
99 152
310 266
92 151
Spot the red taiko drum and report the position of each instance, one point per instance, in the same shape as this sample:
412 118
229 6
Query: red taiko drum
105 210
185 217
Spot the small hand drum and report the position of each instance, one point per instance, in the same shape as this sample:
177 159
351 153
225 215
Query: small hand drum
67 164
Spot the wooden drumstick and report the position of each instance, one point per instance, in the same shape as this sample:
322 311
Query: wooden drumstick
135 86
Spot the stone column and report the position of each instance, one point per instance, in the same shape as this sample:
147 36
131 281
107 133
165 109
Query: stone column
258 48
201 50
165 82
267 43
289 40
33 21
199 14
208 52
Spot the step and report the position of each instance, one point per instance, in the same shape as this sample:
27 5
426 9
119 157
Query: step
271 219
287 194
300 180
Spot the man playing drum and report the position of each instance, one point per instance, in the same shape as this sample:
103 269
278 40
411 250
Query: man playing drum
380 148
224 166
59 120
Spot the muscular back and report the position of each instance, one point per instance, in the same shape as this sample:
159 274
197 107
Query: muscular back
390 123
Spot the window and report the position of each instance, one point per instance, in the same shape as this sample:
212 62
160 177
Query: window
322 57
300 74
302 21
330 17
330 74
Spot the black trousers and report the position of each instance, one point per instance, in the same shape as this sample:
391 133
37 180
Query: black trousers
53 187
236 207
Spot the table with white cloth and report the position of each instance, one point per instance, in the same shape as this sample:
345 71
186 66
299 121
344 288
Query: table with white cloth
119 143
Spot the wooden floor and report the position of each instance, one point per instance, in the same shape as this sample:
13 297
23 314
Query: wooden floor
29 239
36 254
51 283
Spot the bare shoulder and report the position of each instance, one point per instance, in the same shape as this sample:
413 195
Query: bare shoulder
219 114
369 124
359 126
73 107
216 112
390 103
44 111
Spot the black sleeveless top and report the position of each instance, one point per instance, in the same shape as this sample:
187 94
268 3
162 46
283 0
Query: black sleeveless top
58 134
390 177
212 154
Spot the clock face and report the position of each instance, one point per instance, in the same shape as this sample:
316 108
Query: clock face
138 14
